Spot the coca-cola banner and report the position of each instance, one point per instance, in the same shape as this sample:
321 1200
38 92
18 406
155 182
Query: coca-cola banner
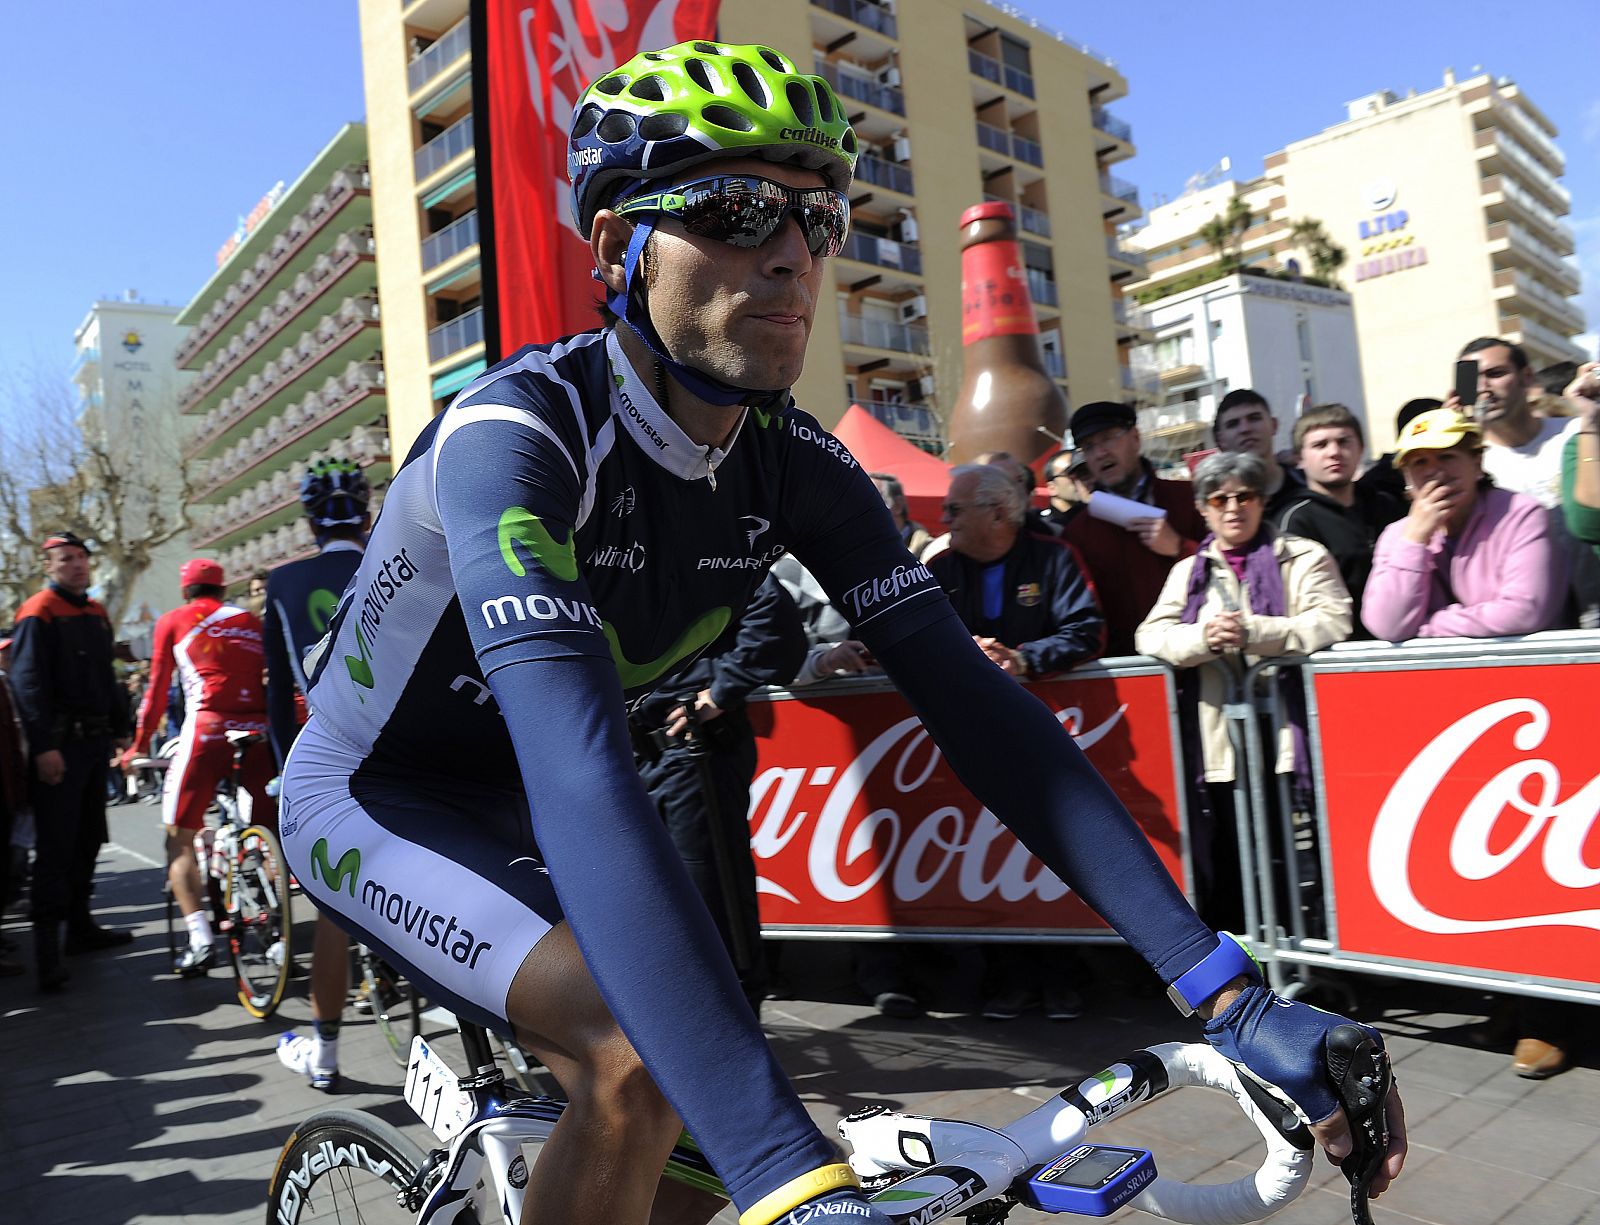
1461 816
857 822
532 59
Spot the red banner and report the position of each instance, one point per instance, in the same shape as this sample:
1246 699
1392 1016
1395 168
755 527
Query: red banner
1463 830
857 821
532 61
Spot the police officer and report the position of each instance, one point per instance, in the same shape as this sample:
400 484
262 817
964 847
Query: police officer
73 708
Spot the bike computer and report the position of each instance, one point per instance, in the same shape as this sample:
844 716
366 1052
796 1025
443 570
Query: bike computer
1091 1180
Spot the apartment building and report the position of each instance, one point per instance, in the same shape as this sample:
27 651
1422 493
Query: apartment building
286 345
1449 208
1030 123
128 389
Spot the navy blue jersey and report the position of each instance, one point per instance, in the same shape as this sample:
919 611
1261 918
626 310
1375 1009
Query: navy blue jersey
301 599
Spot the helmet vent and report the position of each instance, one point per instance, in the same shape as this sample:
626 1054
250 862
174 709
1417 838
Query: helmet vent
800 100
774 61
824 105
587 118
848 143
752 84
616 127
709 49
726 117
663 126
700 73
650 88
612 85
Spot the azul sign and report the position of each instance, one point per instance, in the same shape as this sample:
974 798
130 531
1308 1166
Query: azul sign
1386 245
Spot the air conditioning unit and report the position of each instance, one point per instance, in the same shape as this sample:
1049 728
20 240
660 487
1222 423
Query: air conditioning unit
890 76
922 388
900 148
914 309
908 229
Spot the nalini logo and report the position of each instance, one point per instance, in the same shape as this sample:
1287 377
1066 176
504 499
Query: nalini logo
132 342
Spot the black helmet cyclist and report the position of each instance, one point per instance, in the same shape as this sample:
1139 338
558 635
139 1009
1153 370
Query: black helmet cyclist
335 493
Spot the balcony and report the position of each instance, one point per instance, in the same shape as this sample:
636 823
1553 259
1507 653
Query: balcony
1532 137
991 69
451 241
1521 246
882 252
451 46
1536 335
1032 221
863 13
1497 149
881 173
1135 260
884 97
1105 121
1007 144
1124 193
883 334
1520 198
913 421
86 357
1512 284
1042 287
444 148
460 333
345 185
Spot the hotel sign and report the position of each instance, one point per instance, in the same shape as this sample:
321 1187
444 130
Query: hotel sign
1387 244
249 222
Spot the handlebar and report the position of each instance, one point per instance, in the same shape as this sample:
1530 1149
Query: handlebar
910 1164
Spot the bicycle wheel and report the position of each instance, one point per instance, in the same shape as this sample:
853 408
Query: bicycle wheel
259 921
396 1007
344 1166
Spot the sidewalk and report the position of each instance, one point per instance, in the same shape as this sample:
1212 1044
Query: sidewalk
135 1098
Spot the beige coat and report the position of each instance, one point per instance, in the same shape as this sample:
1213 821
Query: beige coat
1318 615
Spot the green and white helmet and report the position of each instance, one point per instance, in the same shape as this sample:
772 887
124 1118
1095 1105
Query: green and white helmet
666 110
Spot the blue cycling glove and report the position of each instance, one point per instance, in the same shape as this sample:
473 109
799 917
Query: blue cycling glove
1281 1041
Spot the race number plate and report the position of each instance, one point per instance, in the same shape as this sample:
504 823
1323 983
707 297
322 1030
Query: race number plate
434 1093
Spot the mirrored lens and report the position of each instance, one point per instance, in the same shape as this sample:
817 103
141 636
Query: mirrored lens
746 212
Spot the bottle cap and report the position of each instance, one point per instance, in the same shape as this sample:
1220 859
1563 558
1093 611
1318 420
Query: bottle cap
987 210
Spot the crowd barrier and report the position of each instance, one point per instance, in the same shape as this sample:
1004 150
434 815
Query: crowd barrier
1454 839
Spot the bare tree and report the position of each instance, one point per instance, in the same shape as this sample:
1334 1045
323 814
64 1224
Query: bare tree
124 486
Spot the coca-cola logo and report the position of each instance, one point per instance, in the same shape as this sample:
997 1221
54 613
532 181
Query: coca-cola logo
1527 794
873 820
879 595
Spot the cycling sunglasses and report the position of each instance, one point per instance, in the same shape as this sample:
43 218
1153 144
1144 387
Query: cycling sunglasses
743 210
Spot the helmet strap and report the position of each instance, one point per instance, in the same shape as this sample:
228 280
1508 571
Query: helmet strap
632 309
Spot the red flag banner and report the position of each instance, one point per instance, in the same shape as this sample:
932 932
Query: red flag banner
531 61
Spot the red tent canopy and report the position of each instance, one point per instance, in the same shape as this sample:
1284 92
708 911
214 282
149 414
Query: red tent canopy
877 448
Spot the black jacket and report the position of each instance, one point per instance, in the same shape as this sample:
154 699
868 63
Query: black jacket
1350 535
61 672
1051 613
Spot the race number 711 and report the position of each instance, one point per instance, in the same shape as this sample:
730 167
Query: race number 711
434 1094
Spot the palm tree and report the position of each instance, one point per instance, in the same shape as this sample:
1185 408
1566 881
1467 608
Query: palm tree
1225 233
1326 256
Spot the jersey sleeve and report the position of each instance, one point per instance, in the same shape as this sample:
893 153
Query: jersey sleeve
507 499
275 644
155 694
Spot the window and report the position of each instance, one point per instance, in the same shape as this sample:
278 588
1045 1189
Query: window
1014 54
1302 329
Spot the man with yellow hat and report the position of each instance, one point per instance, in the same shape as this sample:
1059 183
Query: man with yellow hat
1469 560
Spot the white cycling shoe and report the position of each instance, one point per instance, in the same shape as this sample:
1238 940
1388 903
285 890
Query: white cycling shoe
294 1053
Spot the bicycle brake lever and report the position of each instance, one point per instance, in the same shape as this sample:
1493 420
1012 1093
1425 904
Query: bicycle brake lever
1361 1077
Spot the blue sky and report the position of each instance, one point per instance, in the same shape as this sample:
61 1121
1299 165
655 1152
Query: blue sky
137 138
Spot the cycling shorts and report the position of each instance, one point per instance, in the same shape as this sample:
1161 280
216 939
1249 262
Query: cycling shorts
439 876
204 759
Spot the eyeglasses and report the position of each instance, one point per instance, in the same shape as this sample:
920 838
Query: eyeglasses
1105 438
1245 497
952 509
743 210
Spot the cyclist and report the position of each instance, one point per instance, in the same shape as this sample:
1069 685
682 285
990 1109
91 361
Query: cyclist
584 516
216 649
300 600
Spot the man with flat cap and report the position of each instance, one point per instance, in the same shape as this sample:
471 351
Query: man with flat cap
73 709
1128 564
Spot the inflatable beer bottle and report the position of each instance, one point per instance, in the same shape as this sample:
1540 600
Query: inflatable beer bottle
1007 401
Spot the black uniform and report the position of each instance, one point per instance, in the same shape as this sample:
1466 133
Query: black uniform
70 701
765 645
1350 534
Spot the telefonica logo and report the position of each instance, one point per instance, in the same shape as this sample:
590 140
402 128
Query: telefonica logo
335 875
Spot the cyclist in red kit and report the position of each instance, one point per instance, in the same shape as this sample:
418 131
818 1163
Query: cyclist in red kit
216 649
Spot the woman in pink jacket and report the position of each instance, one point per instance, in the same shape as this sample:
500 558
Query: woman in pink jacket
1469 560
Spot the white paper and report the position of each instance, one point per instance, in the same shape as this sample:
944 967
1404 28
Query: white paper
1119 510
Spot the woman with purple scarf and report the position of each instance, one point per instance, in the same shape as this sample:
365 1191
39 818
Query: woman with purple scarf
1246 594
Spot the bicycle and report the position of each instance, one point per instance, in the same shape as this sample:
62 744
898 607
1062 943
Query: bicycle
350 1165
247 886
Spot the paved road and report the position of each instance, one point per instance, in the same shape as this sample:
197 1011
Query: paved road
135 1098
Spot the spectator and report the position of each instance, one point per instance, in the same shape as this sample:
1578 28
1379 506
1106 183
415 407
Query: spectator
1335 510
1244 422
696 752
1248 593
1580 459
13 787
1023 476
1383 475
255 600
1065 476
73 709
1469 559
1024 597
1029 605
1128 564
915 536
1522 452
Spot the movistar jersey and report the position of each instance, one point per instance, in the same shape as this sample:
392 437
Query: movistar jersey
553 545
301 599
